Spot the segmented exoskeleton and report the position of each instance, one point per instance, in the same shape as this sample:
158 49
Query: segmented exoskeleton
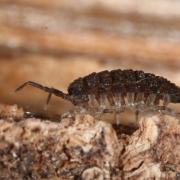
115 90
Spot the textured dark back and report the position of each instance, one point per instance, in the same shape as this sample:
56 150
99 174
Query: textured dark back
124 81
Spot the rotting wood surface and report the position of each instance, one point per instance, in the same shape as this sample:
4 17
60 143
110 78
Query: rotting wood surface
54 42
85 148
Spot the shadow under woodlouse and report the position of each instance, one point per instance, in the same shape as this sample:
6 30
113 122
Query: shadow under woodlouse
116 90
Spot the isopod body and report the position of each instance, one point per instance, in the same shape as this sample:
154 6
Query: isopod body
117 89
122 82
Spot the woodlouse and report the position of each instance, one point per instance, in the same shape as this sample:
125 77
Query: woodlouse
115 90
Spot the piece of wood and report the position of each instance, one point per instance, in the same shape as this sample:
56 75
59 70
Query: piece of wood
89 44
86 148
160 8
55 42
97 29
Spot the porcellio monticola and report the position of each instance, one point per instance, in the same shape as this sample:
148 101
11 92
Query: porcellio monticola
113 91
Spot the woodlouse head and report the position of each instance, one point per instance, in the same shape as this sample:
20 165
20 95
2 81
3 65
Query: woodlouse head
77 92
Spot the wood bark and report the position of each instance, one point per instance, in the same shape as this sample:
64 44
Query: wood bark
85 148
55 42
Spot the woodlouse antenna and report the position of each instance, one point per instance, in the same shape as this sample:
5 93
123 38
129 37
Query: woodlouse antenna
51 91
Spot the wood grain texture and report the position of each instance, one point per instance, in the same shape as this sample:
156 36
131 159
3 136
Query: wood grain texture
55 42
88 149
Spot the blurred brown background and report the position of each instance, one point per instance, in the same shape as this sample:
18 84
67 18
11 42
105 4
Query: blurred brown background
54 42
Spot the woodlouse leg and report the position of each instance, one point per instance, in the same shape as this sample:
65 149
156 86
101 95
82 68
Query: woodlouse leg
108 111
163 107
118 105
100 106
162 110
103 103
119 100
102 100
157 102
140 98
139 105
78 110
137 115
49 98
142 103
166 100
111 100
93 103
151 100
117 116
47 101
130 99
81 111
